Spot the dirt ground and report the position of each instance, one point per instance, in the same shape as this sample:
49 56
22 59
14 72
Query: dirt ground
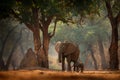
59 75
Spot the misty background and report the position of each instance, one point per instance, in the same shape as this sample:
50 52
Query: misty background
93 38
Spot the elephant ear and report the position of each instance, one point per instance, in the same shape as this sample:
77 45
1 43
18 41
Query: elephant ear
70 48
57 46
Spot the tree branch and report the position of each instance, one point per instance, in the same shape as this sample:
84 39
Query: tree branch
118 17
15 15
109 9
47 23
29 26
42 20
40 25
20 19
51 35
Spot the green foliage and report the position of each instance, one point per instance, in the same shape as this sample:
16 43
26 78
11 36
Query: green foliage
84 7
5 6
47 8
62 9
115 7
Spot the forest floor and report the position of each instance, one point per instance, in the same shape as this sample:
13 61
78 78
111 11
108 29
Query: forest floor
58 75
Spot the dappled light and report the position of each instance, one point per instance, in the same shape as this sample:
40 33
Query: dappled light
59 39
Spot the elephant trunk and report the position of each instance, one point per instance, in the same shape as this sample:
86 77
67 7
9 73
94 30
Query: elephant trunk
60 57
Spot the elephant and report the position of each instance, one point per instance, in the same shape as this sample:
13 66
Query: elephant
69 51
79 66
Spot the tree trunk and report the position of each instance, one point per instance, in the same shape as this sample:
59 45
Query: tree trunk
2 64
35 28
46 38
46 41
93 57
95 62
41 50
37 41
87 61
102 55
12 51
113 50
37 47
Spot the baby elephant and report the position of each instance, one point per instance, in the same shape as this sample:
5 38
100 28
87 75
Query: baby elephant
79 66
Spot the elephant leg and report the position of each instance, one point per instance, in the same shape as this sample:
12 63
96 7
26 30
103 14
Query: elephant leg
82 68
69 62
77 68
60 56
69 66
74 67
63 63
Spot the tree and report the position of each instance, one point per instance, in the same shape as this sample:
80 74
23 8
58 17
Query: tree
41 15
93 33
101 31
5 38
113 10
114 17
80 36
37 16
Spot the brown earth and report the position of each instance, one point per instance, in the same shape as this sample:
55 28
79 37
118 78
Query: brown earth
58 75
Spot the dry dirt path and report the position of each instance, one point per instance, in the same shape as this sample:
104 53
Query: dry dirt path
59 75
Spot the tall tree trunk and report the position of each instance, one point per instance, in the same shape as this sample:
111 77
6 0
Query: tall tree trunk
46 41
37 41
113 50
41 50
87 61
35 28
37 47
2 64
93 57
102 54
36 31
12 51
46 38
95 62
